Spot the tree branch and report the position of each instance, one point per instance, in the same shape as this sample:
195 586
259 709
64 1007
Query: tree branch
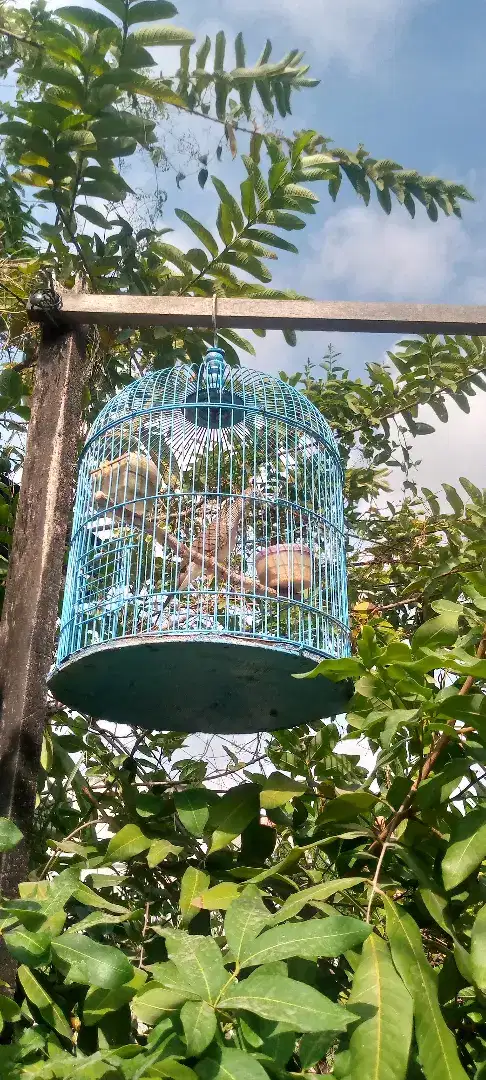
429 764
22 40
412 404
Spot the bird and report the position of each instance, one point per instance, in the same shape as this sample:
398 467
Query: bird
218 522
131 479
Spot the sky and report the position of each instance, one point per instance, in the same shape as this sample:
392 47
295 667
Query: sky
407 78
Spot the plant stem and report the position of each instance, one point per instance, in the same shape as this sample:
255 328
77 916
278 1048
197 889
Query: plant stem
376 879
429 764
53 858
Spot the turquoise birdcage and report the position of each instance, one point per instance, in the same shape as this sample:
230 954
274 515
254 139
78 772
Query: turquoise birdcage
207 558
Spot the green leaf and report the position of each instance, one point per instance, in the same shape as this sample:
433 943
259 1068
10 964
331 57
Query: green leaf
86 961
321 892
193 806
289 222
94 217
28 948
127 843
380 1045
163 35
98 1003
173 1069
454 499
232 813
149 10
238 340
90 898
199 1023
436 1044
244 919
224 224
279 789
478 949
310 940
102 189
229 1064
349 805
219 898
336 670
174 255
467 848
439 787
108 176
474 492
27 912
456 660
313 1048
102 918
248 199
295 191
442 630
166 974
247 262
159 850
39 997
152 1004
9 1010
219 50
55 894
226 197
477 598
117 7
470 708
277 998
60 77
198 961
264 236
193 883
432 501
76 140
10 835
87 19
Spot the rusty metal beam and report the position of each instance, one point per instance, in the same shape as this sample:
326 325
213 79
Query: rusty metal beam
328 315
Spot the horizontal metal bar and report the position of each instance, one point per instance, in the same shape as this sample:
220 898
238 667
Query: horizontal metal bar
371 318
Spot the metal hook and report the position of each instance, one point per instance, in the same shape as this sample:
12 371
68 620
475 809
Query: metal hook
214 316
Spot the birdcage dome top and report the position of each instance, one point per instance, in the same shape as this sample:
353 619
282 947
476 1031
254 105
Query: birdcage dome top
262 394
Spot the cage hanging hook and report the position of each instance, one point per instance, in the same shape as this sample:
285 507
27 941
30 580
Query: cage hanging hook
214 320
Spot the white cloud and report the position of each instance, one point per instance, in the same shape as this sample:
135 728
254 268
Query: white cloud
375 256
456 448
348 30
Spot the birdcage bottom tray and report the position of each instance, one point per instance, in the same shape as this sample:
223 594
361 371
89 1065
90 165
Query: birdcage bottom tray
210 683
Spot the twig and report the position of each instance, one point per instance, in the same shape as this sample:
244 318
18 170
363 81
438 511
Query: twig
52 860
23 40
398 603
144 931
163 536
16 296
77 245
376 879
182 108
412 404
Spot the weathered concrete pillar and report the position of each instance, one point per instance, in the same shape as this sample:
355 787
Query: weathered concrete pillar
34 580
